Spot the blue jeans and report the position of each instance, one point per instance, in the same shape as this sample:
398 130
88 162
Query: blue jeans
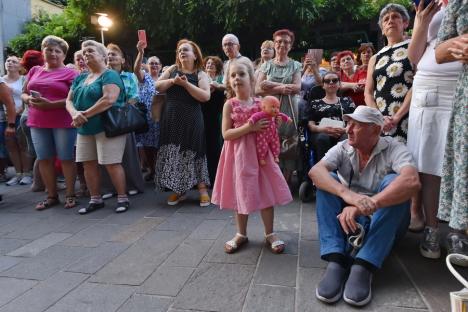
383 228
50 142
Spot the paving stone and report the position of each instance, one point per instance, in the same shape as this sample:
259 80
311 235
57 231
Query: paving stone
309 229
76 225
166 281
182 222
12 288
276 269
269 299
146 303
162 212
195 208
393 288
209 229
216 287
135 231
37 229
309 255
16 222
97 258
134 214
46 263
248 254
135 264
93 297
287 220
38 245
8 262
94 235
9 244
292 242
46 293
190 253
220 214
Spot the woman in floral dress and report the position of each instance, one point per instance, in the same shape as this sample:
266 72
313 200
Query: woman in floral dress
390 73
453 203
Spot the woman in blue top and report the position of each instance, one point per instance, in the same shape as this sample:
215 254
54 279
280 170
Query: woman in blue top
130 161
91 94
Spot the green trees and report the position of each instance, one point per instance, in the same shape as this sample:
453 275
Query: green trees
205 21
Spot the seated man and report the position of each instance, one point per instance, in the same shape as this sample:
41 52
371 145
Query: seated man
375 181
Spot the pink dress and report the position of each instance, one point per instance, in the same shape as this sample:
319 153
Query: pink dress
241 183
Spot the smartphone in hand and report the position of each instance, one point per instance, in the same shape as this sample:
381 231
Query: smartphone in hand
34 94
142 36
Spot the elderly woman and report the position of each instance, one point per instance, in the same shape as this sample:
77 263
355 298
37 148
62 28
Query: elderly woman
45 91
148 142
267 52
431 106
334 64
16 147
212 111
79 62
181 163
331 106
281 77
92 93
452 45
390 73
130 160
365 52
7 127
352 81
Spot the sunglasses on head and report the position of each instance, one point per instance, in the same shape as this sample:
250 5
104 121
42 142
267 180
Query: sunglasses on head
332 80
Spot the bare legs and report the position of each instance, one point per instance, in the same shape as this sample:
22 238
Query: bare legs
93 178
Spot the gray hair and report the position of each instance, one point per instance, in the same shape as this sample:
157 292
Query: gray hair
232 37
54 41
79 52
393 7
154 57
99 47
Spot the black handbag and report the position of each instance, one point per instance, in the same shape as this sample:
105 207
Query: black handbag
119 120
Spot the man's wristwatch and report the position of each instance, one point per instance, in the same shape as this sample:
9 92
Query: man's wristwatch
11 125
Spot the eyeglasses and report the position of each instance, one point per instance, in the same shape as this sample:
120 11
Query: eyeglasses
285 42
153 63
229 44
330 81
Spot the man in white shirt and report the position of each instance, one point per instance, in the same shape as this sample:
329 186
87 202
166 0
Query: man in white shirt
369 195
231 48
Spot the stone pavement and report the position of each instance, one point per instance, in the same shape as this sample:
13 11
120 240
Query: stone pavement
161 258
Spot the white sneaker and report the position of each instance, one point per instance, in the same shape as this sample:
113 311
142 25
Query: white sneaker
14 181
456 245
429 246
26 180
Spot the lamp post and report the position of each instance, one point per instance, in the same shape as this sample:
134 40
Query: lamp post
104 23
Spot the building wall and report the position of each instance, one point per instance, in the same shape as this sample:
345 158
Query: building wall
51 8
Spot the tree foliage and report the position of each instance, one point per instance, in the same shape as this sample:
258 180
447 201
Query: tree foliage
205 21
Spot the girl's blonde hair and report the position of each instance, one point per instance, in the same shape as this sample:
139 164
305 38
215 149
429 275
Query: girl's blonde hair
250 70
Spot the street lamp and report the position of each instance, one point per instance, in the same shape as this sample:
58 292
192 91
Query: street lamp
104 22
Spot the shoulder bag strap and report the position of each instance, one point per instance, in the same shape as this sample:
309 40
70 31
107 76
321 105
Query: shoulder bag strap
292 110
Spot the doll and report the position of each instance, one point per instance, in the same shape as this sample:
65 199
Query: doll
268 138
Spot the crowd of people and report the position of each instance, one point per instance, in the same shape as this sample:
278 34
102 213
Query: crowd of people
387 130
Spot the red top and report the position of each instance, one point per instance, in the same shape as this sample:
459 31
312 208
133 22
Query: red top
360 77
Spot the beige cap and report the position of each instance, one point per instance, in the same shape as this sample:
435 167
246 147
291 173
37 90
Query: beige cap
366 114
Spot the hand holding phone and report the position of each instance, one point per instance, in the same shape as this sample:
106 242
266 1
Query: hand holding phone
426 2
142 37
35 94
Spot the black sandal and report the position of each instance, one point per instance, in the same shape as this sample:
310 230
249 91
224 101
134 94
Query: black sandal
122 207
50 201
91 207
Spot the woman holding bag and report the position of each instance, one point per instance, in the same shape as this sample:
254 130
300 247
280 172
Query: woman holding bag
281 77
91 94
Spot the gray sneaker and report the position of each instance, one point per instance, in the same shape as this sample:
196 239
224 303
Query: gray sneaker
456 243
430 246
14 181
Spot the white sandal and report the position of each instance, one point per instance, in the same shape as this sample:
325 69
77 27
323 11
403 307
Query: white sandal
232 246
276 246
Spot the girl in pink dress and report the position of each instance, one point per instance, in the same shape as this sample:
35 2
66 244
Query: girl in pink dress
241 184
